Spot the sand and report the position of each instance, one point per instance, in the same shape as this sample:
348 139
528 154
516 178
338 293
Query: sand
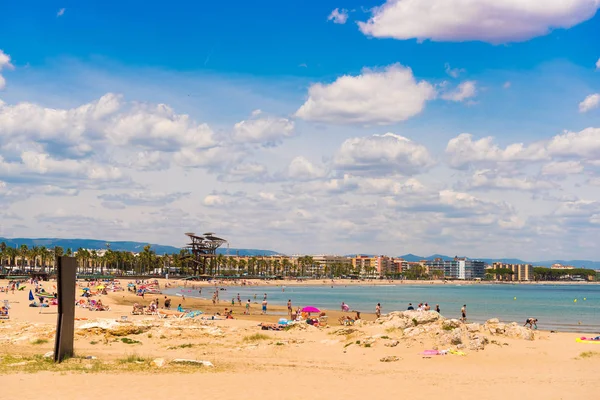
297 364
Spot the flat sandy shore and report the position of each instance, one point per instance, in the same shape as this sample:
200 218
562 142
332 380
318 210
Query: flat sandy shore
317 363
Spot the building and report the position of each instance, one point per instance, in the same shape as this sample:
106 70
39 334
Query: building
520 272
372 266
457 268
560 266
323 264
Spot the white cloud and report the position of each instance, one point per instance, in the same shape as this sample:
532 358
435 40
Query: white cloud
453 72
558 168
338 16
584 144
4 63
267 131
300 169
107 119
598 65
589 103
373 97
463 151
383 155
507 85
489 180
143 198
493 21
465 90
60 12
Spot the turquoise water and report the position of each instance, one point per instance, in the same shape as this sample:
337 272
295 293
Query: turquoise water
553 305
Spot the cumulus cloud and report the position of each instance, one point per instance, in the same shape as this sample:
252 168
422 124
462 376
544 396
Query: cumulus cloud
463 151
383 155
492 21
598 65
589 103
584 144
338 16
301 169
4 63
374 97
268 131
42 167
107 119
465 90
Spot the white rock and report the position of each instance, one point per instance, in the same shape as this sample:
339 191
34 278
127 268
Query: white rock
198 362
159 362
49 354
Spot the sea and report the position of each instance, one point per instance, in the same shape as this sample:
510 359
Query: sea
567 308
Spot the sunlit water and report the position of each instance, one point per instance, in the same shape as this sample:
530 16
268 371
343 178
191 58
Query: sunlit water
553 305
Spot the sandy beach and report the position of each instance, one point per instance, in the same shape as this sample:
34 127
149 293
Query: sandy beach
302 362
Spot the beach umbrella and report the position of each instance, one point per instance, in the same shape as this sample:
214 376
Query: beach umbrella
31 298
100 287
311 309
86 289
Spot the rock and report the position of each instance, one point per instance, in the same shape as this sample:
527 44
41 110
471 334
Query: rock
414 331
456 336
192 362
159 362
49 354
450 324
473 327
492 321
389 359
393 343
517 331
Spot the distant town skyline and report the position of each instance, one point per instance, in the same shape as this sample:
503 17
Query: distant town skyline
305 127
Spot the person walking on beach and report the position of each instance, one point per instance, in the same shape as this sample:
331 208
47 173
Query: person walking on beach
378 310
289 305
247 308
239 299
463 312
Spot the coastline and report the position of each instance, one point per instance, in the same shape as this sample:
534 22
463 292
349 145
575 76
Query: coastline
323 363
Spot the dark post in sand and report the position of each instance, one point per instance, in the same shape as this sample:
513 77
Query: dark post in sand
65 324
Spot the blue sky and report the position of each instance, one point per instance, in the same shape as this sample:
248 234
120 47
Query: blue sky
284 129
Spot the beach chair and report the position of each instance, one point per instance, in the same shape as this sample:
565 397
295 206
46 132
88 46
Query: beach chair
4 313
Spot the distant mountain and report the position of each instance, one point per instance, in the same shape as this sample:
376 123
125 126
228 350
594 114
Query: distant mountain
247 252
135 247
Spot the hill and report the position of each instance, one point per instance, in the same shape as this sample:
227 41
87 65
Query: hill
135 247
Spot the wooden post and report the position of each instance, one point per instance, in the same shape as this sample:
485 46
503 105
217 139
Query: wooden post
65 324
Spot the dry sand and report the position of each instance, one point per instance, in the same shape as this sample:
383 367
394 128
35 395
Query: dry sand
295 364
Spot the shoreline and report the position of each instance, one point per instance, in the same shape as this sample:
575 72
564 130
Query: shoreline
136 355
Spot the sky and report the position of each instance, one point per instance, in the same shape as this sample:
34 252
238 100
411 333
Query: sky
460 127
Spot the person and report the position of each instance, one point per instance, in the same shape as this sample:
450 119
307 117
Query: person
463 312
167 303
427 307
378 310
289 305
410 307
532 322
437 308
247 307
264 306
